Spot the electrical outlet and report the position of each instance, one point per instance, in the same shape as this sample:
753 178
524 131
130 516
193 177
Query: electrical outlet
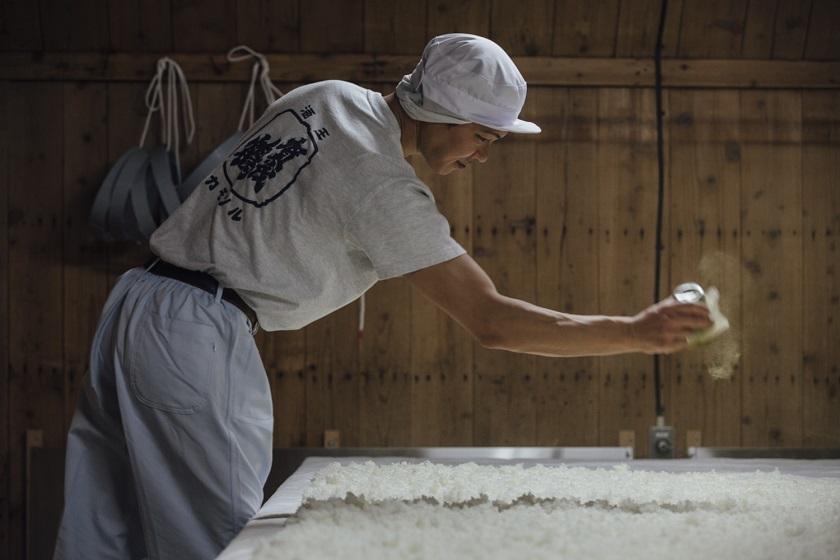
661 442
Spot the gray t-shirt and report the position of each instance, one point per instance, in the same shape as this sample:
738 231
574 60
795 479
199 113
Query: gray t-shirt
313 207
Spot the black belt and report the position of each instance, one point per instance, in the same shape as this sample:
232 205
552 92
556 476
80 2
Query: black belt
205 282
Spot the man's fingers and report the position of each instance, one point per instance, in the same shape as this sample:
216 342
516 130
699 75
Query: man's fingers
694 316
687 330
689 310
690 324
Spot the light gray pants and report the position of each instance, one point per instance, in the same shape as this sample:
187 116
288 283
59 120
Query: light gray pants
170 444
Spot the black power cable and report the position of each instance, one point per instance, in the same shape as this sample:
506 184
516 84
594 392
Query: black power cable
660 157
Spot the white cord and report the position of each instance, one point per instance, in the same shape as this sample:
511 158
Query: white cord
259 73
168 107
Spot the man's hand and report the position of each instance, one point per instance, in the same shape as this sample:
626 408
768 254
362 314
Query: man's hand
663 327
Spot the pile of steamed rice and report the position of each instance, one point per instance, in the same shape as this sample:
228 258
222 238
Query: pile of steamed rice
405 510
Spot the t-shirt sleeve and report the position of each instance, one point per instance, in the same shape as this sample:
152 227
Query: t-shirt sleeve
400 229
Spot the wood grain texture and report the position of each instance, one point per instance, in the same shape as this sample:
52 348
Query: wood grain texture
759 28
217 108
455 16
704 246
203 25
5 451
791 28
384 365
74 26
139 27
268 25
779 29
505 247
395 26
332 370
524 27
585 28
627 214
20 26
823 42
771 202
85 281
821 269
567 257
638 26
327 26
284 357
388 69
712 28
36 392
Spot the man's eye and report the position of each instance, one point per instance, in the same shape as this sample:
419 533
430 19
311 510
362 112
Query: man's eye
482 139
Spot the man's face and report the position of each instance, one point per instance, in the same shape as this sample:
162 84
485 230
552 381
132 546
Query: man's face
447 148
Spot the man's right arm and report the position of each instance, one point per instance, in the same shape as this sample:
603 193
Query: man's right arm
467 294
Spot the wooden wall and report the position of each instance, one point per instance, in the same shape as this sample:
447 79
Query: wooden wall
565 219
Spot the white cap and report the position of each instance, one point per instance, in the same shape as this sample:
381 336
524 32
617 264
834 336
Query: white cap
465 78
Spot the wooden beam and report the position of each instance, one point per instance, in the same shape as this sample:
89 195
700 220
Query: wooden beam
538 70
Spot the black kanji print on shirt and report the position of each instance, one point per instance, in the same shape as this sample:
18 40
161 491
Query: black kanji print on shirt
269 161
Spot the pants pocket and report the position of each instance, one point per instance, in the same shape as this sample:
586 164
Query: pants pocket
171 363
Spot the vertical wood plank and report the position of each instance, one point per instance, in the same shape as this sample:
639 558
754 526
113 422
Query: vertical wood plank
85 271
712 28
759 26
332 379
585 28
505 246
36 392
395 26
327 26
567 256
523 28
823 42
74 26
442 351
284 356
704 247
454 16
627 210
638 26
791 28
20 26
5 188
140 26
771 205
205 26
821 271
384 364
268 26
